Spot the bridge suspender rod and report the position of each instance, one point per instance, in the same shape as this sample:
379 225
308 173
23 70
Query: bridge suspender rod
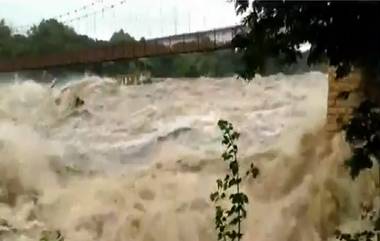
156 45
183 42
134 50
214 39
170 44
198 40
144 42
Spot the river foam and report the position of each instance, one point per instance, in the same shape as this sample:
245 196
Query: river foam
139 162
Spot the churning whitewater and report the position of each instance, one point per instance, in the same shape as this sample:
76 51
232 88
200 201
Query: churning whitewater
139 162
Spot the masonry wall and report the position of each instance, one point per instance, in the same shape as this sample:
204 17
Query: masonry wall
344 95
341 104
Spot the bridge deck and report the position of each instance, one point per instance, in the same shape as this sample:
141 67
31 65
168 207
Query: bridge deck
176 44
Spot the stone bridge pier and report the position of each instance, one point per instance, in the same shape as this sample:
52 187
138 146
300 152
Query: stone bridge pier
345 94
134 78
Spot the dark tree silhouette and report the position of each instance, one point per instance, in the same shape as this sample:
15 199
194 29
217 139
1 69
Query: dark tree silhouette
341 32
344 34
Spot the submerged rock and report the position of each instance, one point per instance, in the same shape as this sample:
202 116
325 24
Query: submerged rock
147 194
139 206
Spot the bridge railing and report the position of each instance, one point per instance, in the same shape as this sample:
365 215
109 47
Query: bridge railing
175 44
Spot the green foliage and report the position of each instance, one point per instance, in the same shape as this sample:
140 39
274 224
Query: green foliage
364 235
370 234
121 37
51 36
5 39
338 31
228 222
363 133
5 31
195 64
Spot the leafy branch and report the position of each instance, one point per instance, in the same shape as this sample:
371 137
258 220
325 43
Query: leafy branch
363 135
228 222
369 234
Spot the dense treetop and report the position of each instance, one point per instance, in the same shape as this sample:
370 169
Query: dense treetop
343 32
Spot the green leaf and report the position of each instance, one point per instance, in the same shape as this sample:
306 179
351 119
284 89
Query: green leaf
234 166
239 198
227 177
222 124
232 182
235 198
219 212
232 210
235 148
243 213
225 186
225 141
235 136
232 235
244 197
219 183
225 156
214 196
235 221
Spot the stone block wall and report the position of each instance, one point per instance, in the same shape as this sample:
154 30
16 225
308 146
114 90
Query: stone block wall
343 96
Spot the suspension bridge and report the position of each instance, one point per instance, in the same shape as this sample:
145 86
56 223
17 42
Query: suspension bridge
204 41
188 42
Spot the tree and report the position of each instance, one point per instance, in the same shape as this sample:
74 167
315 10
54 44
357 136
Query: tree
5 31
121 37
340 31
51 36
5 39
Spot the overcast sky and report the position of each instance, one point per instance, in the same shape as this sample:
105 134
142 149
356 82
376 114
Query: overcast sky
148 18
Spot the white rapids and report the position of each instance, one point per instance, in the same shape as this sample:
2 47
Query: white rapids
139 162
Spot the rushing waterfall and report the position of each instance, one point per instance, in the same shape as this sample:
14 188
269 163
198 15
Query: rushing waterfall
139 162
